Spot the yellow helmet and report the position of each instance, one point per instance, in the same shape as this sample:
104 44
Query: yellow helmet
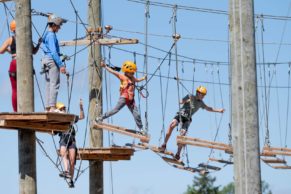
128 67
60 105
201 90
13 25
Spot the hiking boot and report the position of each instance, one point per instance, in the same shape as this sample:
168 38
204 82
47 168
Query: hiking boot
163 147
65 174
98 119
177 156
71 184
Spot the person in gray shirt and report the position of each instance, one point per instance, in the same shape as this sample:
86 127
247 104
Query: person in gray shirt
191 104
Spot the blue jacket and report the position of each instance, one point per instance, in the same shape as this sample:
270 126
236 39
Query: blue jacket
51 47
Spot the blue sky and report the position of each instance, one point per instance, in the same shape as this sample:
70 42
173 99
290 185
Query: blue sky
204 37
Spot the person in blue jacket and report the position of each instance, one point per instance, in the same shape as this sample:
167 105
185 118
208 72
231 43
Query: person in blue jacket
52 63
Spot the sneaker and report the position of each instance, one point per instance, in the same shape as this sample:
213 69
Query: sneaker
65 174
71 184
177 156
143 132
98 119
163 147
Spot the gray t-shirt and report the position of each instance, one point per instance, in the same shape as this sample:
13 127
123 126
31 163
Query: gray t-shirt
191 105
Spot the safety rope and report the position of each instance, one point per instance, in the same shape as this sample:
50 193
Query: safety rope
6 14
164 101
287 111
147 16
153 74
267 137
74 61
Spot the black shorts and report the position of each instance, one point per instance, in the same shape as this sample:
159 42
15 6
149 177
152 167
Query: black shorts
184 119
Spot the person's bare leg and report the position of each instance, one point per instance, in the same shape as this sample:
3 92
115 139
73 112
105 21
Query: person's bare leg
72 156
183 132
173 124
63 152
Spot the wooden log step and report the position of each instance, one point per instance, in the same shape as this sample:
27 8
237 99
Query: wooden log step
267 154
189 139
203 145
268 148
158 150
202 165
173 161
191 169
220 161
274 161
122 130
277 153
139 146
282 167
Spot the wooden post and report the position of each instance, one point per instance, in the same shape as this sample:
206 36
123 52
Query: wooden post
95 97
245 125
25 96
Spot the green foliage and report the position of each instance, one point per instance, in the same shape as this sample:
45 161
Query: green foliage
203 185
229 188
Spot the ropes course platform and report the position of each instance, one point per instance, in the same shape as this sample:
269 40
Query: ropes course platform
124 131
105 154
204 143
37 121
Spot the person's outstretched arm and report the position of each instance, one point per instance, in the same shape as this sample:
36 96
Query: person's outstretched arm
102 64
36 48
82 115
5 46
141 79
210 109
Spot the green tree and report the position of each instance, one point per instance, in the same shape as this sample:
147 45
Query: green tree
203 185
229 188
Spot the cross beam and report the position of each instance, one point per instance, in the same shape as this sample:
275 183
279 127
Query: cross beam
101 41
203 143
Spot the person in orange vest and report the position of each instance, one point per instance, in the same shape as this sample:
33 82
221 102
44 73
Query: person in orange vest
10 46
68 147
191 104
127 88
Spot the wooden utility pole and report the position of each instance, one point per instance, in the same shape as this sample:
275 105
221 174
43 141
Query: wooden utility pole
245 134
25 97
95 98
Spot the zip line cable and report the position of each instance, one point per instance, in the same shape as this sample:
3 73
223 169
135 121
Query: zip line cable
196 38
74 61
206 10
197 61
